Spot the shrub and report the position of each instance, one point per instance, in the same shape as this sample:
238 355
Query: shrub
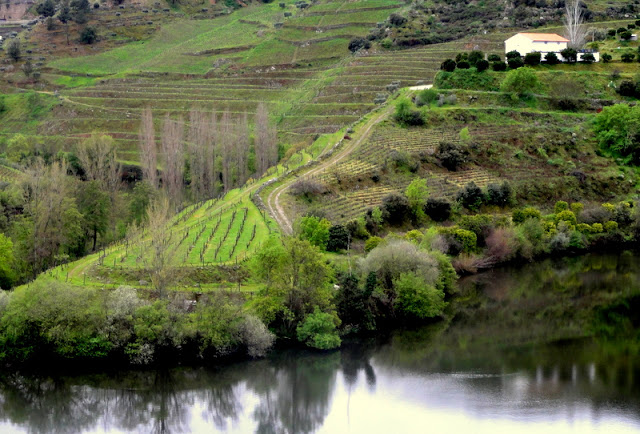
405 115
474 57
515 62
499 66
395 208
499 194
359 43
566 216
318 330
611 226
588 58
314 230
471 196
560 206
482 65
520 82
551 58
451 155
463 65
467 239
256 336
617 129
513 55
416 298
397 20
448 65
46 9
597 228
372 243
307 188
570 55
494 58
426 97
438 209
532 59
627 57
88 35
520 215
338 238
625 36
14 50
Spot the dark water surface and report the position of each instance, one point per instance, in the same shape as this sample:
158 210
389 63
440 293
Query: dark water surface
512 358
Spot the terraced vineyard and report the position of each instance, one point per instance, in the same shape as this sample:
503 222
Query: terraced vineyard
9 174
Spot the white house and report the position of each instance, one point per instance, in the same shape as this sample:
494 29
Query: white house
543 43
525 43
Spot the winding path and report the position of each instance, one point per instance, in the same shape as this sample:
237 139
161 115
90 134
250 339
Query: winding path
274 202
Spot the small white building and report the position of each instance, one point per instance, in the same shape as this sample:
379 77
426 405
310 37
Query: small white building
544 43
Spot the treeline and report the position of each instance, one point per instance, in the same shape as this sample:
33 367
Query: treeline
212 154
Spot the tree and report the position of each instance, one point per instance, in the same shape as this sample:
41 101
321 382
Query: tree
532 59
513 55
46 9
314 230
358 43
405 115
88 35
471 196
438 209
515 62
627 57
98 158
625 36
173 149
64 16
482 65
318 330
14 50
27 68
451 155
417 193
499 66
395 208
417 298
588 58
551 58
339 238
606 57
161 236
617 128
573 20
95 205
148 149
7 275
448 65
266 146
520 82
397 20
474 57
570 55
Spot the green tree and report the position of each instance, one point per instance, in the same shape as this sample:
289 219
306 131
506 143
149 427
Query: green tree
64 16
617 128
46 8
7 275
318 330
142 195
314 230
520 82
14 51
417 298
88 35
417 194
94 204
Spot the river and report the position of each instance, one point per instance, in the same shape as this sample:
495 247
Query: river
520 352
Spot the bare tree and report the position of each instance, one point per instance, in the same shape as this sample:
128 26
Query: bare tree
266 147
226 141
574 27
162 273
99 160
173 149
242 149
148 152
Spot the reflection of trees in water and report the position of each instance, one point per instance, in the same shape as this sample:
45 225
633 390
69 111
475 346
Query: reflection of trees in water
295 390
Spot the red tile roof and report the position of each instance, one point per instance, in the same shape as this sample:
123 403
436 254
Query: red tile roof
544 37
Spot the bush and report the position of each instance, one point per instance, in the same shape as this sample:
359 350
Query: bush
471 196
515 62
338 238
372 243
314 230
482 65
463 65
611 226
627 57
474 57
318 330
416 298
397 20
359 43
606 57
88 35
617 129
551 58
499 194
588 58
532 59
520 82
627 88
308 189
14 50
494 58
499 66
451 155
448 65
395 208
520 215
513 55
625 36
46 9
570 55
256 336
438 209
560 206
405 115
566 216
426 97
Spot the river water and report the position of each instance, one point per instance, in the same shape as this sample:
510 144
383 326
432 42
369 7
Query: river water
512 357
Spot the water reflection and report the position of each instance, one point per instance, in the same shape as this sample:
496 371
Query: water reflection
491 367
